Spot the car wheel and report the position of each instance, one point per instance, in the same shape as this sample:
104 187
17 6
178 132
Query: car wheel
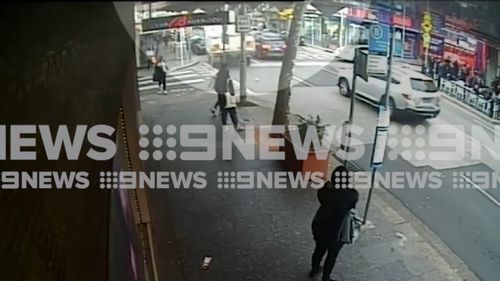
344 87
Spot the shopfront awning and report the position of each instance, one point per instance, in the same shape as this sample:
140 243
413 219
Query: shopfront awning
493 41
213 6
329 7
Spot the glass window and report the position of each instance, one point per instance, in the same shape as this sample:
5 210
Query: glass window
384 78
423 85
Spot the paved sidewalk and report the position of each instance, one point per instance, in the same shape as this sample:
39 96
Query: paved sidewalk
264 234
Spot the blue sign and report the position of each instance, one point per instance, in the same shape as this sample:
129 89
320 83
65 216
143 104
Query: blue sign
379 39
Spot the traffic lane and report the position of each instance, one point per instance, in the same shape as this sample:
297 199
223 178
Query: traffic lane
463 218
489 136
331 107
259 80
450 213
303 102
265 78
410 143
451 115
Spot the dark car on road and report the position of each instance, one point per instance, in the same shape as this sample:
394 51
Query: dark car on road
269 45
198 45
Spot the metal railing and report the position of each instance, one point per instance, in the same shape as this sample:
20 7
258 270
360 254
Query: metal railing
487 106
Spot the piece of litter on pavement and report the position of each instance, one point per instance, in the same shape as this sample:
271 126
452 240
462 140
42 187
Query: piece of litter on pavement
206 262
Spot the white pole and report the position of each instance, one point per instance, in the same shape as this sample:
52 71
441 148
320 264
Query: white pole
312 31
341 30
404 30
182 45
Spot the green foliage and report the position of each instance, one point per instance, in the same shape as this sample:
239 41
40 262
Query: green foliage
309 120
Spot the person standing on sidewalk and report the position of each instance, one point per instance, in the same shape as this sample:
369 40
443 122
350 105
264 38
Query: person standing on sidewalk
150 54
335 202
160 75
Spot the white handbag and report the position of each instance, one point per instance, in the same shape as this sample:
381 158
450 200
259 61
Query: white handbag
350 228
231 99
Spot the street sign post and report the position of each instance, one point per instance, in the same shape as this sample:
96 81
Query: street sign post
243 24
382 128
378 49
359 69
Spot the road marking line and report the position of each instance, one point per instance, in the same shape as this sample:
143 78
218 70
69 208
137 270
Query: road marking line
471 139
458 106
182 82
296 63
145 78
185 82
178 77
489 196
330 71
179 72
148 87
487 127
249 92
169 78
303 81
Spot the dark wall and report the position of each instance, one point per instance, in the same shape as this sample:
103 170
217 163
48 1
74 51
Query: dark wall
60 63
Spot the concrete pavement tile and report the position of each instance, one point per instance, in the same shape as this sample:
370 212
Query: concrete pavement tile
383 253
265 234
418 266
393 271
439 275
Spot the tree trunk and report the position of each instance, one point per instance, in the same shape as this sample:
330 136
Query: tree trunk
281 109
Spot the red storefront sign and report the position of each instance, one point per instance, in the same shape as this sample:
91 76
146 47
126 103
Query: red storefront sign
462 56
178 22
359 13
402 21
362 14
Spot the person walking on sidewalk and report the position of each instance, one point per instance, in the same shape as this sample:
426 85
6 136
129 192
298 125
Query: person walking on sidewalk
160 75
335 203
220 88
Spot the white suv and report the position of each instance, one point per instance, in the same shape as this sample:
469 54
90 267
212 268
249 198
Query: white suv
410 90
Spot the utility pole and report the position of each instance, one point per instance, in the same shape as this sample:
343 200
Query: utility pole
243 60
224 33
348 124
384 117
404 30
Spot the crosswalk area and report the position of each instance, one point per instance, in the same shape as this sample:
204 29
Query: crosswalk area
311 54
306 56
196 77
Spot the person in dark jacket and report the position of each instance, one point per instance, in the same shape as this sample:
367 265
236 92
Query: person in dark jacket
220 88
454 71
336 201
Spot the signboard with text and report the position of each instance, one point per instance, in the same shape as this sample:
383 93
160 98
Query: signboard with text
180 21
379 39
378 48
243 24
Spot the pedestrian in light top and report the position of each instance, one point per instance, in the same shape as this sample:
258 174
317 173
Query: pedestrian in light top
160 75
150 55
335 203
